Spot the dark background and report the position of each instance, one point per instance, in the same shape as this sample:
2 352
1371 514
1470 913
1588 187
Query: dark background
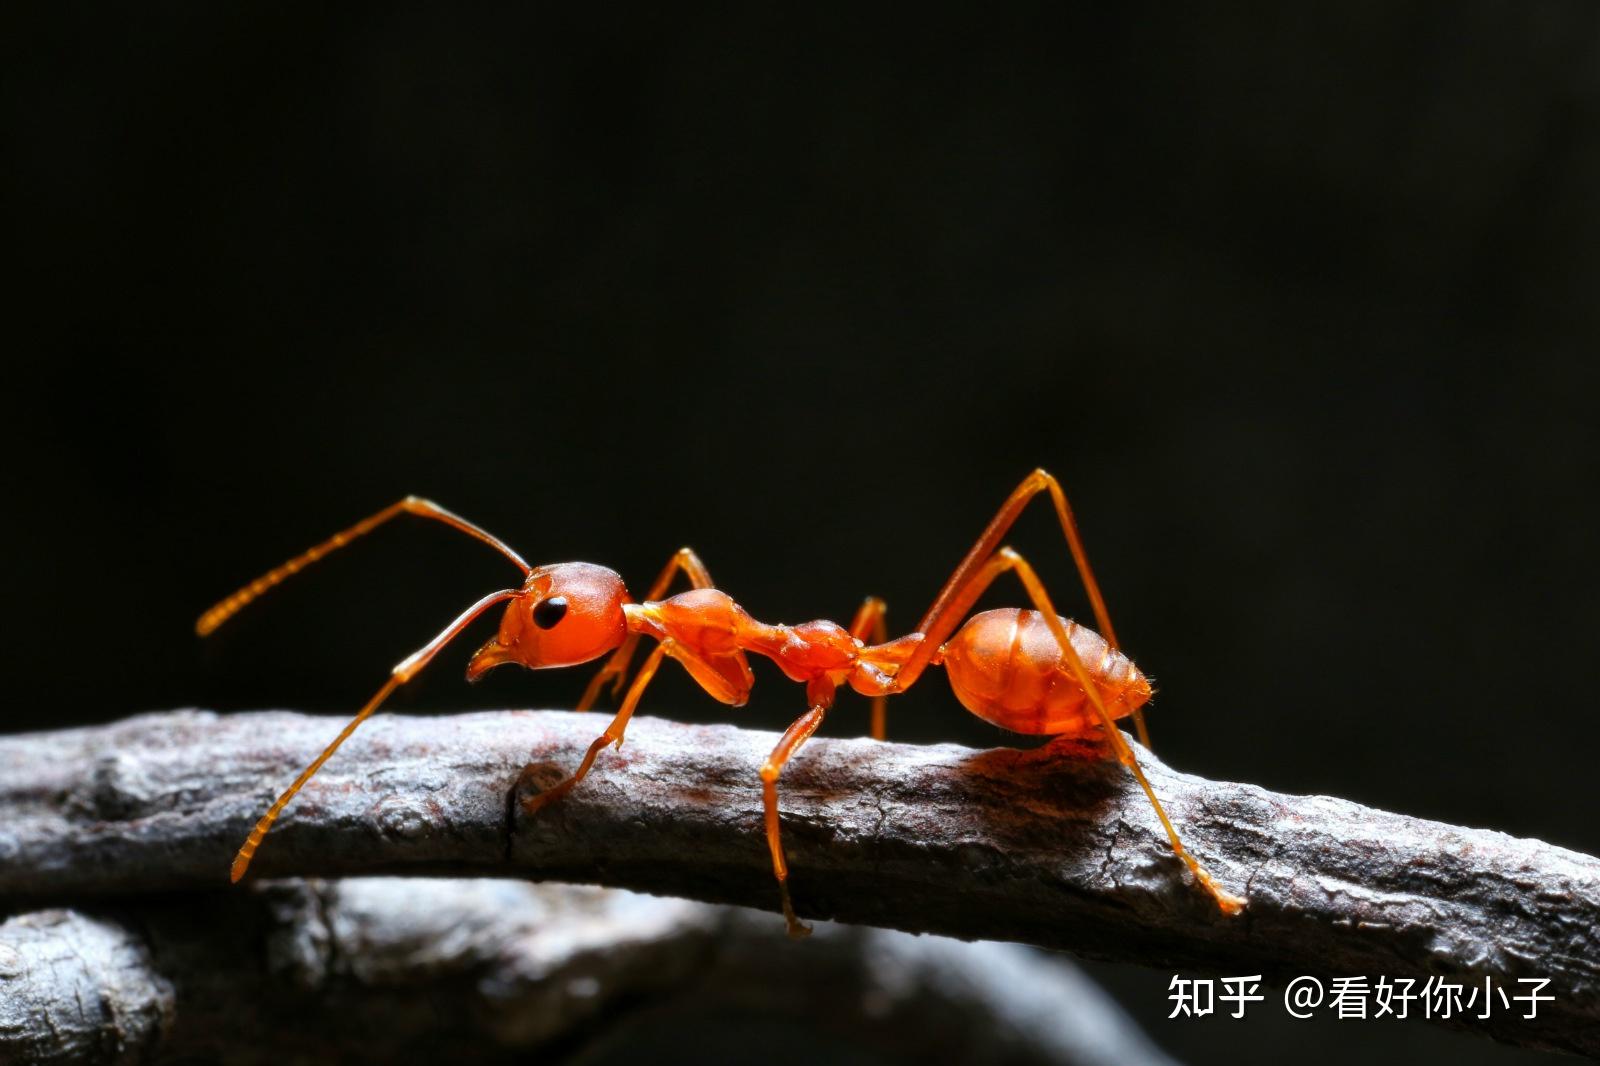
1299 303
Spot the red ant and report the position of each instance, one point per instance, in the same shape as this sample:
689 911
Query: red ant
1029 671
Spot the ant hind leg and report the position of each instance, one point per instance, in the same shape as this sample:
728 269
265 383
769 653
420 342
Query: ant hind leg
972 577
948 610
1007 559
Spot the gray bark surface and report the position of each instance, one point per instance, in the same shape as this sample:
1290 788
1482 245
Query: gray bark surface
383 970
74 988
1000 845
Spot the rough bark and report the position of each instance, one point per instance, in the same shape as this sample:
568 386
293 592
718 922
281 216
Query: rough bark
1004 845
383 970
75 988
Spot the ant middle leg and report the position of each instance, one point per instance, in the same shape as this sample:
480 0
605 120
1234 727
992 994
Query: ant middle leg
684 561
797 734
869 625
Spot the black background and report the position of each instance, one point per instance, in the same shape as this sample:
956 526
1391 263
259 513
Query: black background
1298 303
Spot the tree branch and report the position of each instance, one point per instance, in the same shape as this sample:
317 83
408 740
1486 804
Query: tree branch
380 970
980 844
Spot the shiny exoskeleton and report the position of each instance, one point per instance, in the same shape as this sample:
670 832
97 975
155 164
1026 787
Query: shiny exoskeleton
1028 670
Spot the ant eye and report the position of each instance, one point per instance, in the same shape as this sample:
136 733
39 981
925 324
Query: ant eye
546 613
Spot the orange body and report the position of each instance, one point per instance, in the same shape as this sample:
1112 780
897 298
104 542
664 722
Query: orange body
1026 670
1007 668
1004 665
719 632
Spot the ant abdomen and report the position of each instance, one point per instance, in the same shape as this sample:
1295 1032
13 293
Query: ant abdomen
1007 668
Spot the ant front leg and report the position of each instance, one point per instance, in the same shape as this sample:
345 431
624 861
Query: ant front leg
869 625
703 672
821 695
684 560
613 734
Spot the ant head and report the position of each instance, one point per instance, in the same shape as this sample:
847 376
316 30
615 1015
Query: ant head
568 613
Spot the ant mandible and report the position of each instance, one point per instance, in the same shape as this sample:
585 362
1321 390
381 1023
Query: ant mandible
1028 671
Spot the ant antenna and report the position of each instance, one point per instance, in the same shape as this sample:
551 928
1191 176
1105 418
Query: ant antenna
416 505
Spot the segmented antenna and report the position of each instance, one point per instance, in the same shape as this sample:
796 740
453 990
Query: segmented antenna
232 605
